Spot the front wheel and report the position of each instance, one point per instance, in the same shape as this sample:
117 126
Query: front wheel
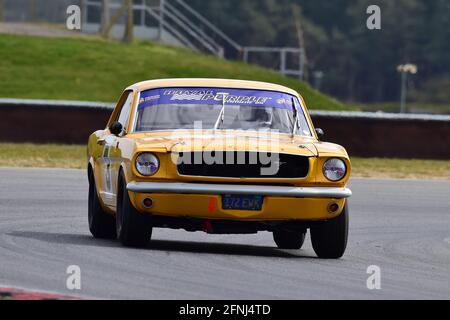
329 239
133 228
101 224
286 239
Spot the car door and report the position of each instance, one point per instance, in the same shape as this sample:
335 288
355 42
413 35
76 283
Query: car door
109 162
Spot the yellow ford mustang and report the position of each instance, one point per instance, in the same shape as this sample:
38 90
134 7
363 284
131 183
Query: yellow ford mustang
219 156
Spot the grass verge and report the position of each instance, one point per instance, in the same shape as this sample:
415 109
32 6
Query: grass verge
74 157
42 156
401 168
93 69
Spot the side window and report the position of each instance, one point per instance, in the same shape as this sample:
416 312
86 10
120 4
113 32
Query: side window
125 111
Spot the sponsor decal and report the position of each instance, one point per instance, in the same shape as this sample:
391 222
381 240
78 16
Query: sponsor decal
215 96
150 100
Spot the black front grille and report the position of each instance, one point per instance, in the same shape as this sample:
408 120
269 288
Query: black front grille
243 165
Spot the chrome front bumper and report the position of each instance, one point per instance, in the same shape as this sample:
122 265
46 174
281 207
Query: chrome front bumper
222 189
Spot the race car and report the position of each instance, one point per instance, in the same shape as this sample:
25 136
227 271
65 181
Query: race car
219 156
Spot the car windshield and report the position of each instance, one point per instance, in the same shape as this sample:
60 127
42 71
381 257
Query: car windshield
221 109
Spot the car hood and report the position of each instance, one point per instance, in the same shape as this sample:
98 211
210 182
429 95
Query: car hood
189 141
326 149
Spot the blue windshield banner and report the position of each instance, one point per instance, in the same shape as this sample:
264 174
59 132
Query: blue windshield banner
215 96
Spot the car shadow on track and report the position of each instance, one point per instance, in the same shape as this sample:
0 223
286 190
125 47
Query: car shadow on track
223 249
166 245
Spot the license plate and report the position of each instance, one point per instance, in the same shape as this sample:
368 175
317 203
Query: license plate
242 202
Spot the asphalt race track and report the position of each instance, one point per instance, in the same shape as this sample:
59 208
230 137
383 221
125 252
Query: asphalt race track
401 226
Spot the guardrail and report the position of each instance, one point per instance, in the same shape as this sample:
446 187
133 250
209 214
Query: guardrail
363 134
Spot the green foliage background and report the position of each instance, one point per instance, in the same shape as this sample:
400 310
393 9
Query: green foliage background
359 64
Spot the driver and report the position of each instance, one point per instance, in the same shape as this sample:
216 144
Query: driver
252 118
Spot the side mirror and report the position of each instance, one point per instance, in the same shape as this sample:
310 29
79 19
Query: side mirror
320 133
116 128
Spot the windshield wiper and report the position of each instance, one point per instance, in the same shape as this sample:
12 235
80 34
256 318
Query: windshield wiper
294 130
221 118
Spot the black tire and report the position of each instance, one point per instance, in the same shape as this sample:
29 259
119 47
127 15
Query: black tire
101 224
329 239
286 239
133 228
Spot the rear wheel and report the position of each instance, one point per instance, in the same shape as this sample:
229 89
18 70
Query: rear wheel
133 228
329 239
286 239
101 224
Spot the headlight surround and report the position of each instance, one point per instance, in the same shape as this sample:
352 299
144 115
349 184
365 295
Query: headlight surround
147 164
334 169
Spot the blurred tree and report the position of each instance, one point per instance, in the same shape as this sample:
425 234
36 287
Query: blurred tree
105 16
358 64
1 9
129 28
127 9
32 14
297 13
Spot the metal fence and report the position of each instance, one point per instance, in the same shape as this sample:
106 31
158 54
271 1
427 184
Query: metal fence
176 22
281 61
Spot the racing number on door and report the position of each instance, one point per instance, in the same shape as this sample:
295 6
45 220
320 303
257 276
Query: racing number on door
107 168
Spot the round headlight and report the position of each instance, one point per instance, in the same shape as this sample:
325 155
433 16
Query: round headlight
334 169
147 164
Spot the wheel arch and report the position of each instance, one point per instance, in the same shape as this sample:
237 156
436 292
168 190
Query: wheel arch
125 172
90 167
